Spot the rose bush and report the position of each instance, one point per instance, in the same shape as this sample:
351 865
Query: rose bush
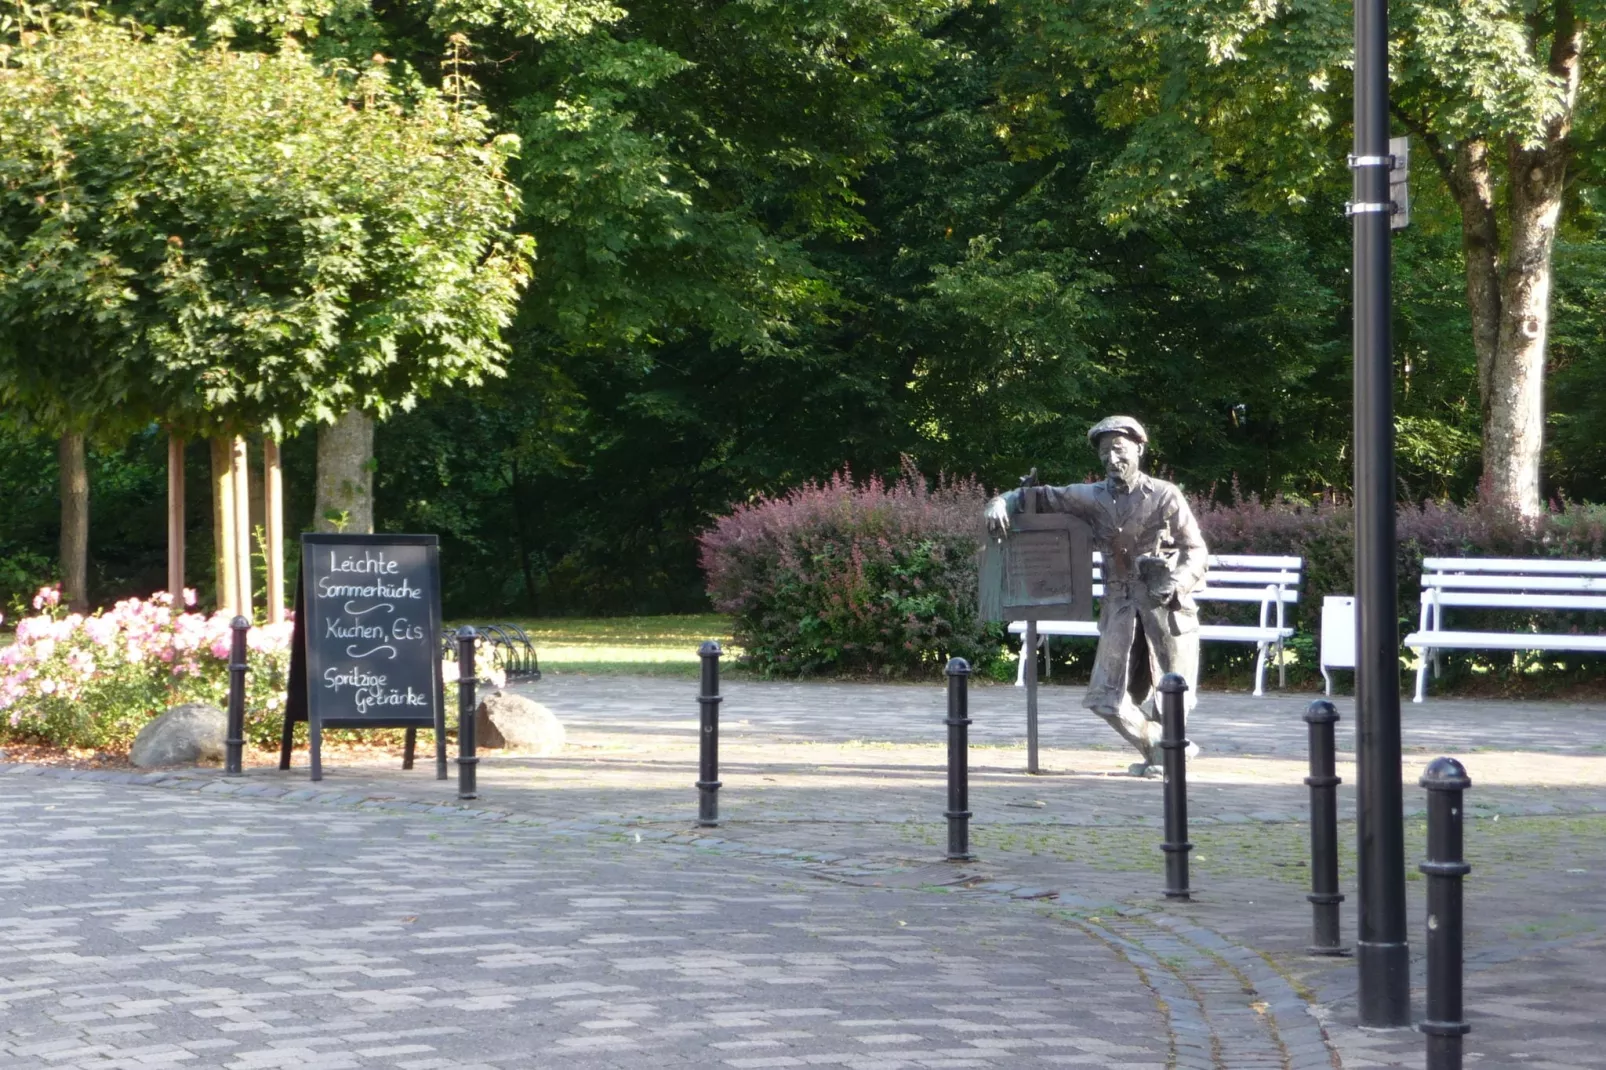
94 681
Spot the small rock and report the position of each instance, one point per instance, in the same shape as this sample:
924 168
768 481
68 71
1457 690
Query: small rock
184 735
512 722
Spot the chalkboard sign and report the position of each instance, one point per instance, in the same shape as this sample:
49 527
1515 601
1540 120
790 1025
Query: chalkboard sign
366 650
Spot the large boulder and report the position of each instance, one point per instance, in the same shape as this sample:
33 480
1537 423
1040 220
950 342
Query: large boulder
184 735
512 722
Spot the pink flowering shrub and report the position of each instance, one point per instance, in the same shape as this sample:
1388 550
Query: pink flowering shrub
94 681
845 577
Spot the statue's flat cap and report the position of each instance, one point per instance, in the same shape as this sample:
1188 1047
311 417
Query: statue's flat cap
1122 425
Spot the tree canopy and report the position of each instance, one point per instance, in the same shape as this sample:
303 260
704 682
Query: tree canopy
223 241
777 237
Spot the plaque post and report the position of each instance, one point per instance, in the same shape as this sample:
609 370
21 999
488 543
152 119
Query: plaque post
1029 653
1038 567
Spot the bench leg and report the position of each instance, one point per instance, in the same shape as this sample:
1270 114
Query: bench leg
1260 671
1020 668
1327 683
1282 668
1422 676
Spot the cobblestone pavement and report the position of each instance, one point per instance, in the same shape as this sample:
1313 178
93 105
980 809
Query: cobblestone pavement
833 795
1234 723
149 929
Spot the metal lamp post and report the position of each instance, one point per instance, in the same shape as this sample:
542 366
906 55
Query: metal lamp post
1382 956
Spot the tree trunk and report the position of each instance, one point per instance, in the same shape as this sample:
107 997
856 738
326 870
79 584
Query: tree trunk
223 538
1511 326
1473 185
1514 397
74 471
273 527
240 472
175 520
345 475
521 534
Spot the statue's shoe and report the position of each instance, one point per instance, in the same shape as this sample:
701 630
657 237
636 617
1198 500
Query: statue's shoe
1143 769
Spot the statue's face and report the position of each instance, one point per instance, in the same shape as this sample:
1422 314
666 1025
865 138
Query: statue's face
1120 454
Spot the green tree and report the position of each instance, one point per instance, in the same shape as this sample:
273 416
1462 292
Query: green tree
226 242
1213 89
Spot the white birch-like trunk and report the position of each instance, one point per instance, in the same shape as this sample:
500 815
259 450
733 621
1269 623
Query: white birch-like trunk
244 574
225 560
273 527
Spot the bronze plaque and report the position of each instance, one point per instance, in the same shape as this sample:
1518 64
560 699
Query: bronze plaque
1037 568
1043 570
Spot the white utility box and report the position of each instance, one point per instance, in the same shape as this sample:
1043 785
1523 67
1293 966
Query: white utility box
1338 635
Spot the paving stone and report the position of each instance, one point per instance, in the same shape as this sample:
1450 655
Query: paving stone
817 919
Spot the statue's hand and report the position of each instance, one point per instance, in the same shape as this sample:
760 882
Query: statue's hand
998 517
1158 578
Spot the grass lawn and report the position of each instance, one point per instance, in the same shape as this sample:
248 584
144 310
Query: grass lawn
650 646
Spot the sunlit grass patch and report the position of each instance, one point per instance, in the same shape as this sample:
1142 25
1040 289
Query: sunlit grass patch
650 646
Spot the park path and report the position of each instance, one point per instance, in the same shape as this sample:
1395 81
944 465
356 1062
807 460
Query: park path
835 792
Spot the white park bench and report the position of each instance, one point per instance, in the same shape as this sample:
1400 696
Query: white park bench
1271 581
1503 583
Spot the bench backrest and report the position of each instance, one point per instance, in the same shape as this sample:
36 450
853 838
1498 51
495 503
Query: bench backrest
1270 580
1509 583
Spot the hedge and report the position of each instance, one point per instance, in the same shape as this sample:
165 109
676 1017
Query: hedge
859 579
879 578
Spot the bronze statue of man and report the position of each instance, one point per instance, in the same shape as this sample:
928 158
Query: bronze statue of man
1154 558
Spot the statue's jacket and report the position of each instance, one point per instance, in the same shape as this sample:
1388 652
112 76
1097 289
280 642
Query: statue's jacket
1139 636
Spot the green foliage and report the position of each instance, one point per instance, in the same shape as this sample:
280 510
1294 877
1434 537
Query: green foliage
226 241
1216 91
776 236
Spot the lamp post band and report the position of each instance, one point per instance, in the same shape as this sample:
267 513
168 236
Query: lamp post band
1366 207
1371 161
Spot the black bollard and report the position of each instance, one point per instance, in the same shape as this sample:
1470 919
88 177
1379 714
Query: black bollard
467 762
1174 742
1444 1025
1323 781
958 722
708 749
234 742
